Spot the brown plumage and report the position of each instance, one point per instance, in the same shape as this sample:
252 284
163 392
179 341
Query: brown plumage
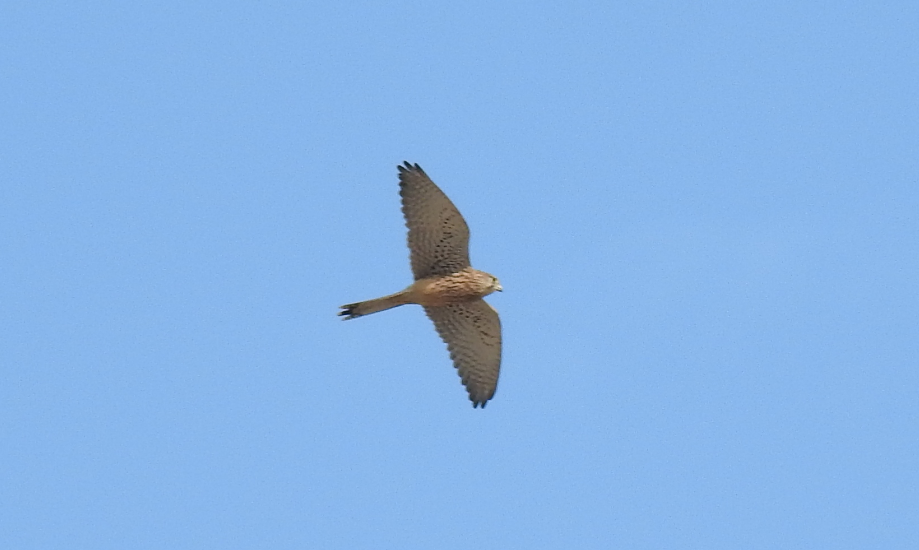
446 285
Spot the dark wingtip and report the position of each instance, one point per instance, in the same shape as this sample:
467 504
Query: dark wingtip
407 166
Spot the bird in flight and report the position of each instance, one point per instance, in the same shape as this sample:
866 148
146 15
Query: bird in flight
446 285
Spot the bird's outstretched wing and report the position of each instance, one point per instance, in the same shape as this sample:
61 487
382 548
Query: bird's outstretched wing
472 332
438 237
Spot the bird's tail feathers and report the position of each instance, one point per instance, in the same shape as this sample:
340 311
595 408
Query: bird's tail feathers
359 309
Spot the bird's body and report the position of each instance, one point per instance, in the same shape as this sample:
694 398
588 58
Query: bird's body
462 286
448 288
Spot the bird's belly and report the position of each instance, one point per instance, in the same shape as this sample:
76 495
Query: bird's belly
444 291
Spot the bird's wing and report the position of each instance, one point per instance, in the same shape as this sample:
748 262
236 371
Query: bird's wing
472 332
438 237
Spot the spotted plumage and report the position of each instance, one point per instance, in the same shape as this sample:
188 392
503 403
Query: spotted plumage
446 285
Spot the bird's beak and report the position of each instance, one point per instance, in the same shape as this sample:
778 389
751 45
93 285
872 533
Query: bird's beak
498 287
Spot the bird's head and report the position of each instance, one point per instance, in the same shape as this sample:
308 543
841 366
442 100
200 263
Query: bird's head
496 284
485 283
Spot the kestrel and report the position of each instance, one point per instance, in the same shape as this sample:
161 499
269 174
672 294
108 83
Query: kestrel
448 288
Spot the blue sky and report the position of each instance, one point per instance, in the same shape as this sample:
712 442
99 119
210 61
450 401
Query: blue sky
705 217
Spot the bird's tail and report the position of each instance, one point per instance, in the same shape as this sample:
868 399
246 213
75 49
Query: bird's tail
359 309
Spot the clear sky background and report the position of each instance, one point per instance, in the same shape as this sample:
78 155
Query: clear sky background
705 217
